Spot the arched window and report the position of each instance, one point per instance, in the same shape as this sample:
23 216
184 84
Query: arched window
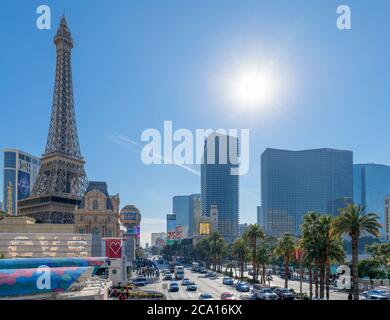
95 205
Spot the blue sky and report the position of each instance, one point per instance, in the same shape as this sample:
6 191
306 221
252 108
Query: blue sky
138 63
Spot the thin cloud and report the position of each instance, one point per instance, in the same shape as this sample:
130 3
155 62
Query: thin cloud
135 147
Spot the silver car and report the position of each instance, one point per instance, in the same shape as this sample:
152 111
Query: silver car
267 294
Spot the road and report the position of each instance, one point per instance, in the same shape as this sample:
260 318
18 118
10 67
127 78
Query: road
216 288
205 285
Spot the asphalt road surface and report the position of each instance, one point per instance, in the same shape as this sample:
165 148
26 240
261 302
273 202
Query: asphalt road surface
205 285
216 288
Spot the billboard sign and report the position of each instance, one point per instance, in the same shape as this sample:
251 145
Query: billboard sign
179 232
24 166
23 185
133 230
171 228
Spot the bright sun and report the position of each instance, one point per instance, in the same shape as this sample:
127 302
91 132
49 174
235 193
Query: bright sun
253 88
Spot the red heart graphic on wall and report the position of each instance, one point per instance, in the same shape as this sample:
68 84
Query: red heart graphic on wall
113 248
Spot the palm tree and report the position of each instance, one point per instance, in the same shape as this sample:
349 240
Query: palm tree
309 240
330 249
285 248
380 252
202 249
240 252
214 240
354 222
336 254
252 234
262 258
230 258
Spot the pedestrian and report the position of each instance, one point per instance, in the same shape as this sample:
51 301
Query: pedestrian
114 293
350 296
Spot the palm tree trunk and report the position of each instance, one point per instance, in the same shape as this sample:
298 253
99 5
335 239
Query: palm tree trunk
327 271
263 274
327 278
316 277
355 274
310 280
254 261
286 272
322 280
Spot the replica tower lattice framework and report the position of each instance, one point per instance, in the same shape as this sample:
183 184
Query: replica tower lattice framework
61 181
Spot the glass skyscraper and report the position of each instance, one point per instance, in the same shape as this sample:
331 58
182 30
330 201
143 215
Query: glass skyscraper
19 174
295 182
184 207
219 186
371 183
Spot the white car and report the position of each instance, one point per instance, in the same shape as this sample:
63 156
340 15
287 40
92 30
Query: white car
266 294
168 276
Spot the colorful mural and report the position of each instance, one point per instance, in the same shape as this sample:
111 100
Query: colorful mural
21 277
17 282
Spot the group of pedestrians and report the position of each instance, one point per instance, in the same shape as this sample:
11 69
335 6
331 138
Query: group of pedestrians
147 271
120 294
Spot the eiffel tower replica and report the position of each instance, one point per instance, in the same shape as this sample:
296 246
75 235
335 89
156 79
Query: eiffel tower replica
61 180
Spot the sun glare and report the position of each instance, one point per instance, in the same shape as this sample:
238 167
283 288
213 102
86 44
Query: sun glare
253 87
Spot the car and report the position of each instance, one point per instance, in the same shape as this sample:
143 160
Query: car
375 294
185 281
266 294
210 274
215 277
192 287
292 291
228 281
242 287
173 287
377 297
235 282
179 276
168 276
247 296
203 271
284 294
206 296
139 282
228 296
